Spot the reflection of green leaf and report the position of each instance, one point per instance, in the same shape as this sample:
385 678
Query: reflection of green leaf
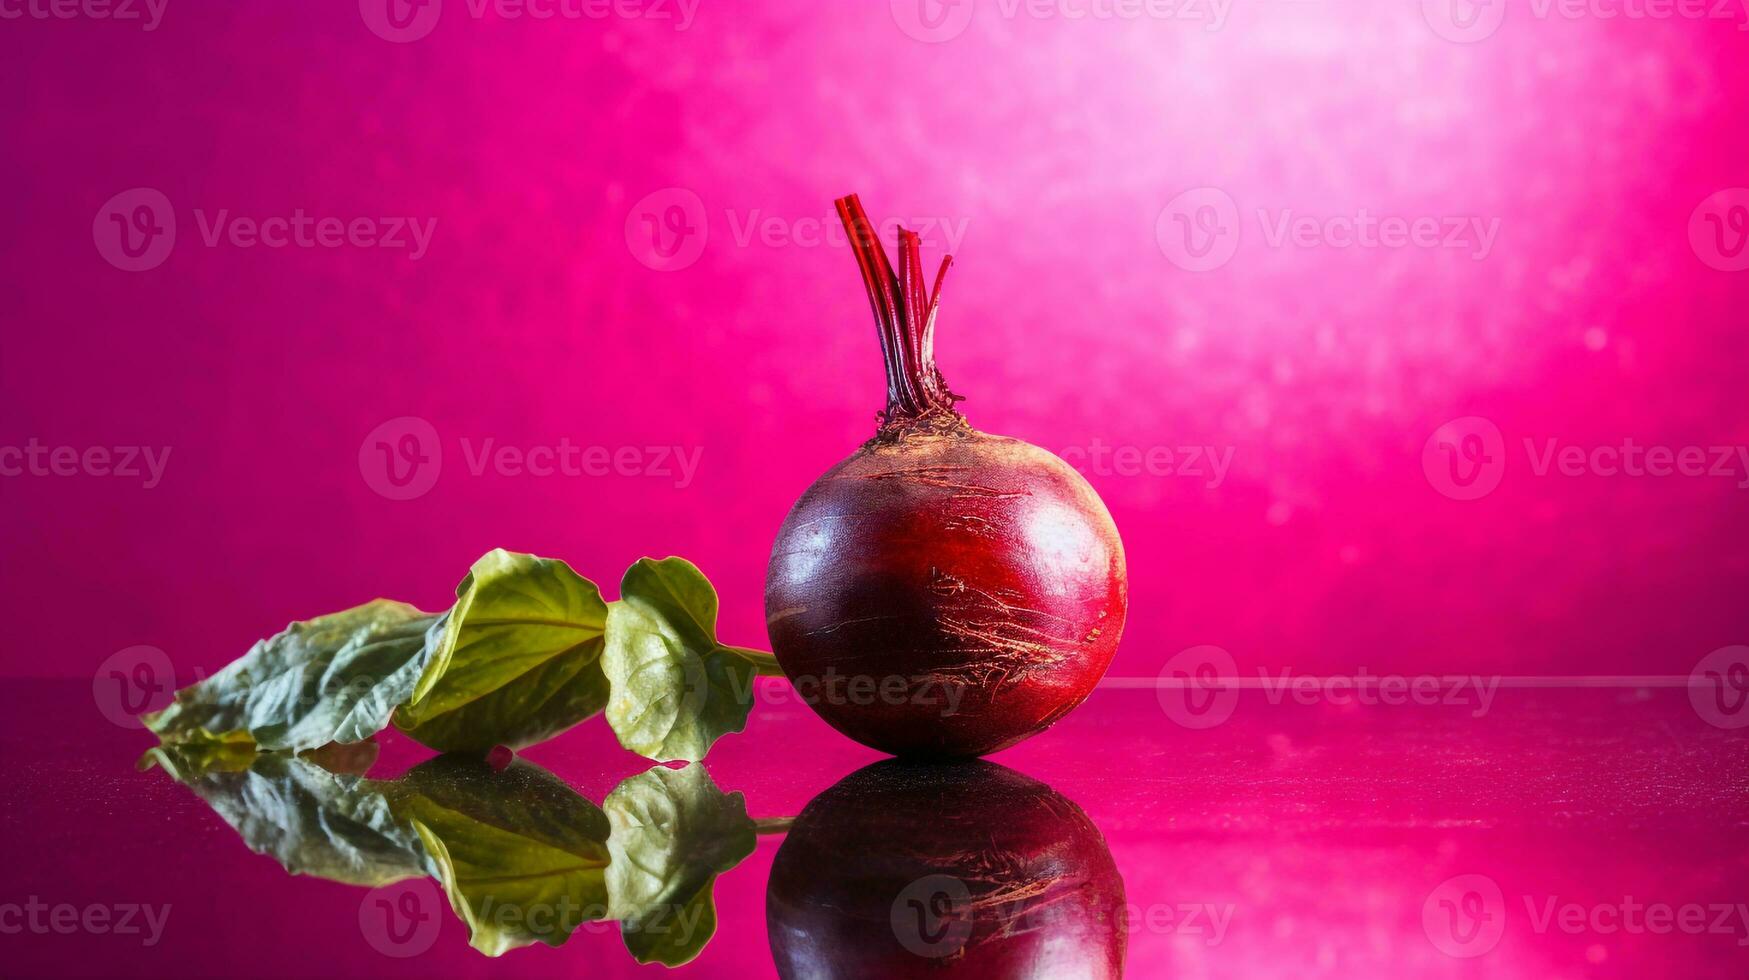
673 833
330 679
185 761
517 660
312 821
676 689
522 857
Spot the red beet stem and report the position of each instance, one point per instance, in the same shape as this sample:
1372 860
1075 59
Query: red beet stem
904 314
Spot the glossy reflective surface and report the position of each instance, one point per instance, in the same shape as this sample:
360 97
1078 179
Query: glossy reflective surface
1554 833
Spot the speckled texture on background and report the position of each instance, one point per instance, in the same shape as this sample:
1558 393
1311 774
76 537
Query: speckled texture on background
1054 143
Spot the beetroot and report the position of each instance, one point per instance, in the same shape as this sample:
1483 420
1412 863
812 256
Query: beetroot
941 592
961 870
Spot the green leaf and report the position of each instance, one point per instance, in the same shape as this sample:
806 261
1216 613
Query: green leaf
528 650
674 831
521 855
335 678
516 661
676 690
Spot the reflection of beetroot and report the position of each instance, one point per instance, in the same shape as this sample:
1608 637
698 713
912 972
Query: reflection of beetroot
965 870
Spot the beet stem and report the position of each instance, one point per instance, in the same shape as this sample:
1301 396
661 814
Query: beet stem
765 826
904 315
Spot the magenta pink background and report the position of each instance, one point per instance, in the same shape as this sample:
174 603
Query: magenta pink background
1057 142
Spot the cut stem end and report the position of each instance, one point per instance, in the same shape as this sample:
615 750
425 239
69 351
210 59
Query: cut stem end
905 312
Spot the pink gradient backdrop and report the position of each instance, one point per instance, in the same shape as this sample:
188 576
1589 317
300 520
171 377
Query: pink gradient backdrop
1056 142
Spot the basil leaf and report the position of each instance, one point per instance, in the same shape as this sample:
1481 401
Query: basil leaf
516 661
528 650
673 833
521 855
335 678
676 689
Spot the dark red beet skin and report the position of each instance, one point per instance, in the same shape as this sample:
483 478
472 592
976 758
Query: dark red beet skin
942 592
962 870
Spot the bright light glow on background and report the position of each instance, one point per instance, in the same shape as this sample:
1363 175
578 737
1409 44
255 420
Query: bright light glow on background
1394 230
